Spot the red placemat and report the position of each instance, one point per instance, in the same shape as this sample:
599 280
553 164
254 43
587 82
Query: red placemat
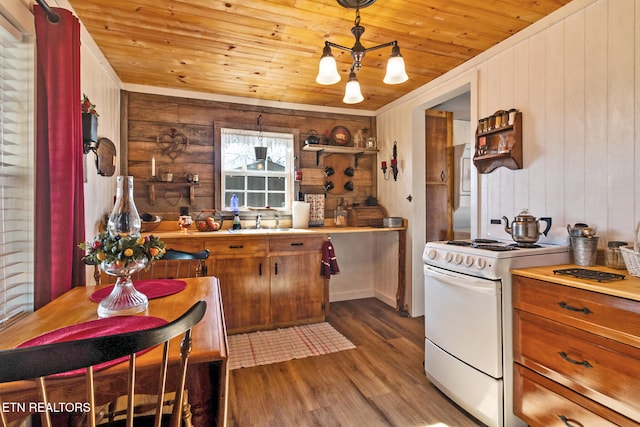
152 288
96 328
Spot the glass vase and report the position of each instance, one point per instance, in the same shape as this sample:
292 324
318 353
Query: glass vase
124 222
124 299
124 219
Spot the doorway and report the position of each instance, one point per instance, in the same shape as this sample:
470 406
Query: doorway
448 169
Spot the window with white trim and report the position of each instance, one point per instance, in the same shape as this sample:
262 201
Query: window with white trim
257 167
16 172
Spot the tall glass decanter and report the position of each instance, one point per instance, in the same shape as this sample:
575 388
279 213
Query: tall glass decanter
124 224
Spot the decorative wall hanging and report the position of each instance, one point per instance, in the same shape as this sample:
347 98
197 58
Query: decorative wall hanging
172 143
89 125
105 157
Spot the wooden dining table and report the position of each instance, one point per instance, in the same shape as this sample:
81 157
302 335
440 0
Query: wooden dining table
207 375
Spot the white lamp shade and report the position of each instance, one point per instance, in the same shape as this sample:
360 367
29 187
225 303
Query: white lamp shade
352 94
328 71
395 71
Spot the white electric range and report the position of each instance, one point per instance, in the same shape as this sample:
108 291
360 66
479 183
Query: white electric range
468 320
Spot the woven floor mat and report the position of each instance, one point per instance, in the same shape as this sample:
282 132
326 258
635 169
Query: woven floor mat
280 345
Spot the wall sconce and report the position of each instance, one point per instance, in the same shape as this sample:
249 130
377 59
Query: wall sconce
394 164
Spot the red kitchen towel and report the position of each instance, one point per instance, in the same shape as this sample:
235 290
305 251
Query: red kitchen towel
152 288
96 328
329 262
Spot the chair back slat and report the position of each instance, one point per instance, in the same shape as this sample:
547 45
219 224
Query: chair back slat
25 363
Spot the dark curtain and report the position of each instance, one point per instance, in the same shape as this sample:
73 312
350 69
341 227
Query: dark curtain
59 219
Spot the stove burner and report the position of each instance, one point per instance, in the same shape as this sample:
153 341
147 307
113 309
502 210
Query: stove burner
496 248
583 273
475 243
459 242
525 245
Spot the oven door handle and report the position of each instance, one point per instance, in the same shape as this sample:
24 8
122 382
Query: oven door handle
462 281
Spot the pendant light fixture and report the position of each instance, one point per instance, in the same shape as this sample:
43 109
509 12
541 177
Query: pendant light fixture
328 69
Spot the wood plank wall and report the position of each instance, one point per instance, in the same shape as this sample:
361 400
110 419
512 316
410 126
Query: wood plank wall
147 116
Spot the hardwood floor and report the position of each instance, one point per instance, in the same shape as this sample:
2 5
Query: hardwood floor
380 383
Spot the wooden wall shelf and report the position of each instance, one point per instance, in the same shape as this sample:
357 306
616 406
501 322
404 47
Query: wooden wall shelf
171 186
488 151
319 149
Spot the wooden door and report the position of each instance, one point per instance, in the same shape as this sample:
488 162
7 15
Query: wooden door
439 175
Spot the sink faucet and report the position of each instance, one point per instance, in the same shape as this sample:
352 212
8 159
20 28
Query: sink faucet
258 219
277 221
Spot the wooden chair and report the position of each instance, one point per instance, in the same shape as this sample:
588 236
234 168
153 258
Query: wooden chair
174 264
37 362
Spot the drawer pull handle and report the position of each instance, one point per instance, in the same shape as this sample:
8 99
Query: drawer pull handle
297 244
260 269
575 362
569 422
276 268
566 306
236 246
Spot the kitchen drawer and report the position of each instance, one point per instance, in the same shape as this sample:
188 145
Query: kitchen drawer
605 370
236 246
295 244
543 403
613 317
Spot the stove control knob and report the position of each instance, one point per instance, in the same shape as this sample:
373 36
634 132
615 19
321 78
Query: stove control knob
448 256
481 263
457 259
431 253
468 261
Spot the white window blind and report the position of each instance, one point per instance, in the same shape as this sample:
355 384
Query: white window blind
16 174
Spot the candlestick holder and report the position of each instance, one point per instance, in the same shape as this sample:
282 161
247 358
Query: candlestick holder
394 165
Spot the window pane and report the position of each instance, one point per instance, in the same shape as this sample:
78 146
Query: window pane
277 183
256 183
256 200
276 200
234 182
228 195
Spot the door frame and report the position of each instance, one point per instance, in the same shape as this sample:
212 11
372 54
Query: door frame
466 82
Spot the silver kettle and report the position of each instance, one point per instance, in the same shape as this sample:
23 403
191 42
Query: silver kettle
525 228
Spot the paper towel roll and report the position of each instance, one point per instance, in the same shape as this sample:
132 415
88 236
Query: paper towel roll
300 215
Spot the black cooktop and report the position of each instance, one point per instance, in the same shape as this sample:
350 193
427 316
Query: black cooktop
583 273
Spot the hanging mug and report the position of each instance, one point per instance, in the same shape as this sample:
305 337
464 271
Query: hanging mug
328 171
349 186
349 171
328 186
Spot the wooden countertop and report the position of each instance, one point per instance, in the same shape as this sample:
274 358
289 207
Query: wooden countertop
312 231
629 287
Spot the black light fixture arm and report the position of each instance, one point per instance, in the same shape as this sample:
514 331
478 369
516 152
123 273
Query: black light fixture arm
358 50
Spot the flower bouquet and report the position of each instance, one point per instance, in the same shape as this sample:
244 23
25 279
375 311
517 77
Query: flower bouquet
122 250
121 256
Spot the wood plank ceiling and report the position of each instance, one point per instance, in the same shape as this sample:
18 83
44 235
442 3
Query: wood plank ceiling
269 49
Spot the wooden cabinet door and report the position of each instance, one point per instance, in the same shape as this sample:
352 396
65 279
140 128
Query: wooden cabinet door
244 282
439 175
297 289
